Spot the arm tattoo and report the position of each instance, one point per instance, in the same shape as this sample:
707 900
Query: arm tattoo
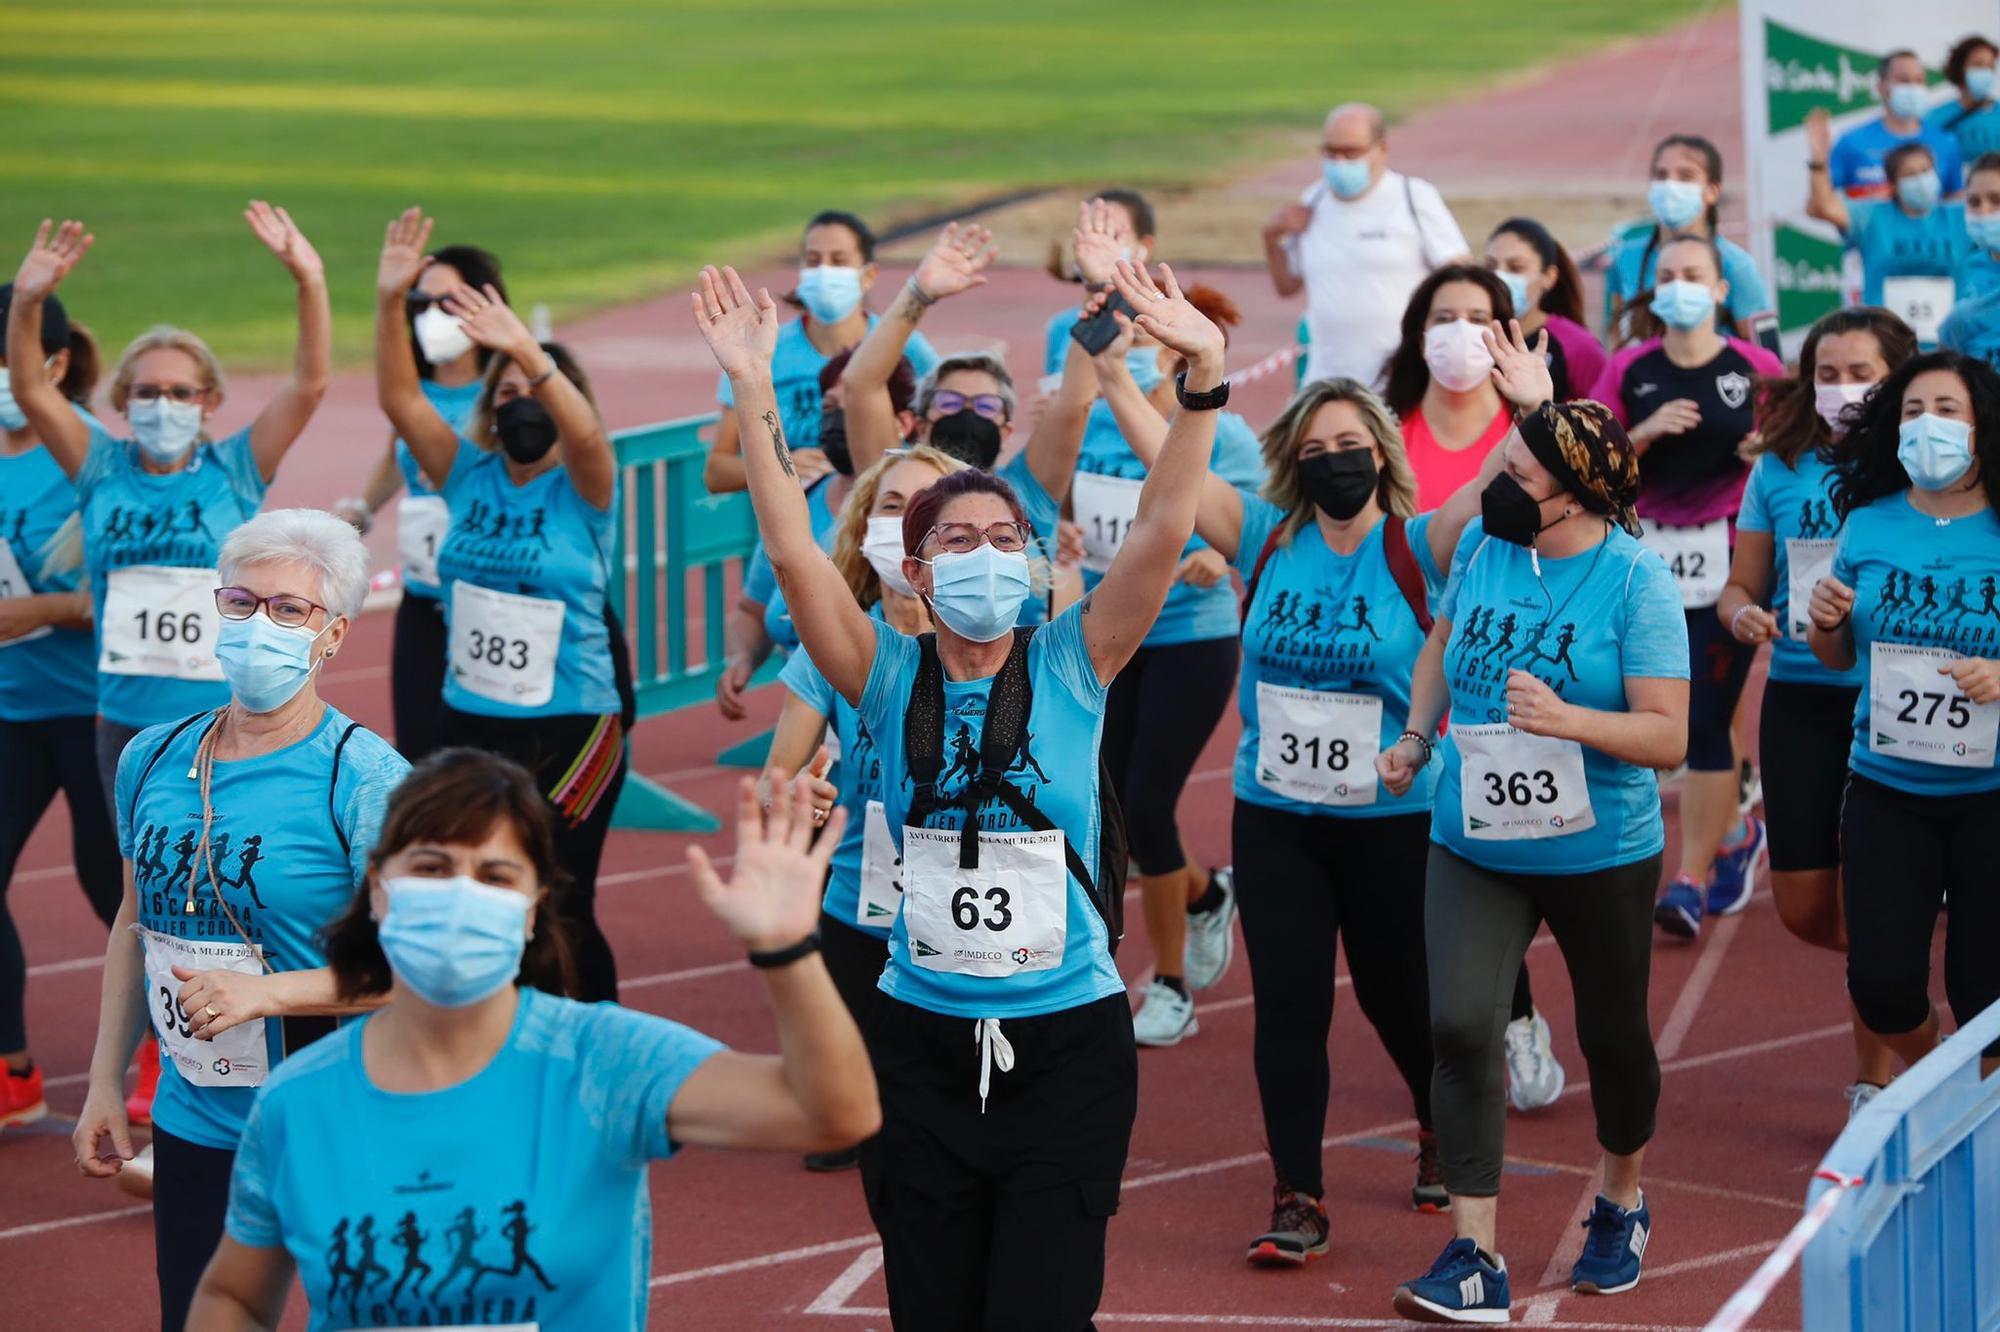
915 301
1084 609
778 444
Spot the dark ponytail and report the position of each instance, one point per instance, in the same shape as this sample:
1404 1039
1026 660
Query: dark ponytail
1565 298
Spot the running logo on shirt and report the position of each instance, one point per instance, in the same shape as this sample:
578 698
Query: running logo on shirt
495 542
1817 520
172 534
355 1275
1733 388
1491 641
165 877
1908 609
1319 635
963 726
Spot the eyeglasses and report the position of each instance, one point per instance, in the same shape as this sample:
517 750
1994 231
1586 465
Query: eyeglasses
989 405
960 538
240 603
420 301
180 393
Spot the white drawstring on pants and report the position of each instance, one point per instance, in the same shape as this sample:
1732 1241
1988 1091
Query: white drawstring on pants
993 1049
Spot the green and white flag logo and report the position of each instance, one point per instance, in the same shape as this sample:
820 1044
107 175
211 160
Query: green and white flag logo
1808 274
1802 71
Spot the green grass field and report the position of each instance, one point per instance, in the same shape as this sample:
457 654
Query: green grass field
605 147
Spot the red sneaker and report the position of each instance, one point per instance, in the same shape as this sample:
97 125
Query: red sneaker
139 1105
21 1097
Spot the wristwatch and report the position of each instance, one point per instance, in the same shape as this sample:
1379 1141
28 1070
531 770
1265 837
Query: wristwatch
781 957
1212 401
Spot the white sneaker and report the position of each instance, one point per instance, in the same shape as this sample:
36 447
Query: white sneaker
1535 1076
1859 1094
1211 941
1165 1017
136 1175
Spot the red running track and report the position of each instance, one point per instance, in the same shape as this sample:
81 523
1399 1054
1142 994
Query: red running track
1751 1028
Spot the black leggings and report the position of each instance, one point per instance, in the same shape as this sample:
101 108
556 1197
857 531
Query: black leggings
38 758
1804 735
190 1202
854 958
1158 716
416 674
579 763
1303 883
1477 924
1901 855
1717 667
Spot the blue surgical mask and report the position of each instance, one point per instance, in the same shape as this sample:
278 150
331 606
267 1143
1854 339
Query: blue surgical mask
1979 82
1348 178
1934 450
453 941
1675 202
165 429
1683 305
1517 288
11 415
1919 193
1906 100
1984 229
266 664
978 595
830 294
1144 365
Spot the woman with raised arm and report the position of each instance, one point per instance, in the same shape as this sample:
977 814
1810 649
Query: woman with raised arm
1912 601
532 485
1561 653
998 1164
525 1115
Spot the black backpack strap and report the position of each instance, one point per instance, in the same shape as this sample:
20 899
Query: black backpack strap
333 786
1257 572
153 761
1965 113
923 730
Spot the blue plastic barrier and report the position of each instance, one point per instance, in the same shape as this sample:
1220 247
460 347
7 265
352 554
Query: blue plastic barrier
1916 1246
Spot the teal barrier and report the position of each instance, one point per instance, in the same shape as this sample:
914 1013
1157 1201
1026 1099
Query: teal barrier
674 544
1915 1245
1305 354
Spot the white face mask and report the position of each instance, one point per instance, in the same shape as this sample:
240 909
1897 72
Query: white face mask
441 337
165 429
1457 356
883 547
1830 400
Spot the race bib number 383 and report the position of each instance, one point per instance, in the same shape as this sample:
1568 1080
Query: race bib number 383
503 645
1917 713
1009 915
1513 785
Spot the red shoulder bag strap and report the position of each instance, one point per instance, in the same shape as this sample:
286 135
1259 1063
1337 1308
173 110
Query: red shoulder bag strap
1257 572
1403 568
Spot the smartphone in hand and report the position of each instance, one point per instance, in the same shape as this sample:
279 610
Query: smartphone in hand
1101 329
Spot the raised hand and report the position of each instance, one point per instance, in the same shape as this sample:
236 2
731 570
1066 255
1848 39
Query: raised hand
281 235
772 898
1832 602
1162 311
50 259
1096 241
1819 134
741 332
403 255
957 263
1111 361
486 319
1520 372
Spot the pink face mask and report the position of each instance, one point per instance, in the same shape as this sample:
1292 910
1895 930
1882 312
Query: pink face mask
1456 354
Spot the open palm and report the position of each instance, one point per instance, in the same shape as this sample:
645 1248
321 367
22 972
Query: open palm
281 235
1165 313
957 262
1520 372
403 252
1096 241
772 899
50 258
741 331
486 318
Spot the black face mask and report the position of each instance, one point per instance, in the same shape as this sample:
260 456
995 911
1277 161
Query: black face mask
1511 513
526 430
833 440
1339 483
968 437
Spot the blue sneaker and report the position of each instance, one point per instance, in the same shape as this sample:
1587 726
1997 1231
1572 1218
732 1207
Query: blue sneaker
1463 1286
1679 910
1614 1242
1736 870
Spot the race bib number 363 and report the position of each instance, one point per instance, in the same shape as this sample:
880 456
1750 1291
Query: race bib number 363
1513 785
1009 915
1917 713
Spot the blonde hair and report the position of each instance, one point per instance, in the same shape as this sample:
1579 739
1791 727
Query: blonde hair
163 337
1396 486
852 528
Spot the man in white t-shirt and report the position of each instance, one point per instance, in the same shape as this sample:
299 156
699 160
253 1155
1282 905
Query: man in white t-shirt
1358 241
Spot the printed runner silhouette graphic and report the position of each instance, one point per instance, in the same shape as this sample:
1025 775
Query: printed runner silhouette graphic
1929 588
463 1234
1505 643
517 1230
1563 640
1360 621
411 1241
364 1235
1476 625
1280 611
1026 759
964 756
252 853
337 1270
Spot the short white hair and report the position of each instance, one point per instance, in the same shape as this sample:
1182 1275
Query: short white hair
312 537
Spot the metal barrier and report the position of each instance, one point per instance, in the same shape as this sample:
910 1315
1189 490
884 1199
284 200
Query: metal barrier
1913 1243
674 543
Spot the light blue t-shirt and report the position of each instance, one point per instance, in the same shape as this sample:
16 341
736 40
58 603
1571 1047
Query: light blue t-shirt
1855 164
54 674
1973 327
1635 252
1978 274
1894 244
1191 614
1590 622
795 367
515 1198
760 580
454 403
857 775
290 846
177 519
1333 624
1793 503
1057 771
540 540
1926 584
1975 131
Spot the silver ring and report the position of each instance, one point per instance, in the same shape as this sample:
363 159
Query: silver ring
819 815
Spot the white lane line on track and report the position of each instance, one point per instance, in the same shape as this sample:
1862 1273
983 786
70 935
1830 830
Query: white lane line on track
44 1227
841 1289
